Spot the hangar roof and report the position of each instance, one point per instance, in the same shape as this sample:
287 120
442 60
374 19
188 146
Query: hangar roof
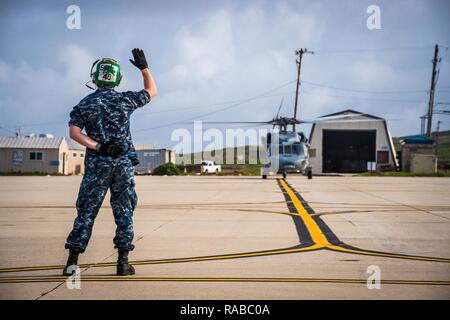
144 146
350 111
30 142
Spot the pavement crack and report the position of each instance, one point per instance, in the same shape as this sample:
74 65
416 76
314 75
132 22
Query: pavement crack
85 270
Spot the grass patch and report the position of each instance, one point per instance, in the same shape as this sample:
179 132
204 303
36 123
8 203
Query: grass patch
443 150
167 169
441 173
241 170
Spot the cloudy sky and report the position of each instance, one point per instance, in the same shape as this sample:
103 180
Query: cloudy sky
210 57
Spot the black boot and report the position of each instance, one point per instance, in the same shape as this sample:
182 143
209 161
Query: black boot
71 261
123 267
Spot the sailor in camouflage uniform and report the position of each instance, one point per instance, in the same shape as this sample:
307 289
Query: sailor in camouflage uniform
110 156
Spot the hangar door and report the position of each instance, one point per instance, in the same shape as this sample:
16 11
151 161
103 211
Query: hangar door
347 150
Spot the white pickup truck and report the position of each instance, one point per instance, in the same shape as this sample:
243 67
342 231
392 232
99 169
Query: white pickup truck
210 167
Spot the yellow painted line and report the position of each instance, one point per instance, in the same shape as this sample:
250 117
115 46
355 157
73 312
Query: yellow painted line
340 212
387 254
229 256
175 260
220 279
267 211
316 233
320 239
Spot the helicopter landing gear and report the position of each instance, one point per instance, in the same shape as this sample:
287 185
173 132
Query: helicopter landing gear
310 173
284 174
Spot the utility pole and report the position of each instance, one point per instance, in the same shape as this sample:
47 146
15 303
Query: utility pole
437 137
422 123
300 54
436 59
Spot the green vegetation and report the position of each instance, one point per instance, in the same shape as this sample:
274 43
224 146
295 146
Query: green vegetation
232 167
167 169
241 170
441 173
444 150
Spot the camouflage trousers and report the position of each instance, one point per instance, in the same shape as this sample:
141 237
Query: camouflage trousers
103 173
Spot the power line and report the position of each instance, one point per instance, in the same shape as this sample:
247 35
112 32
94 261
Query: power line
219 110
235 103
214 104
363 91
372 49
362 98
35 124
4 129
240 102
245 101
306 93
310 83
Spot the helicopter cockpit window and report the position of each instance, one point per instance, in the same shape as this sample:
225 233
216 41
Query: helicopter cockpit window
288 149
291 149
297 148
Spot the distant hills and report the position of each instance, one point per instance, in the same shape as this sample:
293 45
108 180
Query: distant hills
239 164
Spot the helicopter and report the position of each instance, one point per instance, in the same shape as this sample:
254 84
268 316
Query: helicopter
288 150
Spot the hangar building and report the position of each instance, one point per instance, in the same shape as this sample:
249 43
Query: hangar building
351 142
150 158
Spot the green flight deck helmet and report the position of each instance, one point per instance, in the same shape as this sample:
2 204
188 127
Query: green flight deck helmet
107 73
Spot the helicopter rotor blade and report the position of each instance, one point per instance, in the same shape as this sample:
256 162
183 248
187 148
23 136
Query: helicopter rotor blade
341 116
231 122
279 108
346 121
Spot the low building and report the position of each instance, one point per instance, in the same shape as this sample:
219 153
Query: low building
418 154
351 142
151 158
75 163
39 154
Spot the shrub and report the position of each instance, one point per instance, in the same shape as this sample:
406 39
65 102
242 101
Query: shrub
167 169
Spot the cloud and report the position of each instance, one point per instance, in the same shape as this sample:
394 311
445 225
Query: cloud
224 51
234 53
211 50
5 71
302 27
77 62
33 94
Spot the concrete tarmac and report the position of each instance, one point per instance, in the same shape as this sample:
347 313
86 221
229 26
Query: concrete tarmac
236 238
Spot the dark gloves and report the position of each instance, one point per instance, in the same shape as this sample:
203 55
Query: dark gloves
139 59
134 162
110 149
